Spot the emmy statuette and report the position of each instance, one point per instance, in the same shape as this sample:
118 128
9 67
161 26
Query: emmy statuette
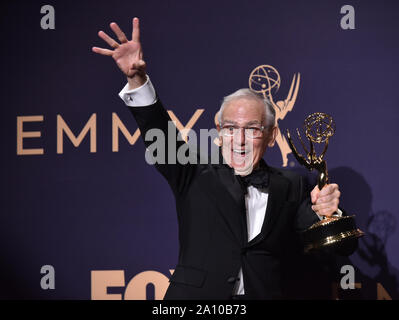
334 230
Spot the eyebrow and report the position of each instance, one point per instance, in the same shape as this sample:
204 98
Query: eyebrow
235 123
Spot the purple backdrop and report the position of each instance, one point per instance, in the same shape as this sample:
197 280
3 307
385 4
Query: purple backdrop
81 211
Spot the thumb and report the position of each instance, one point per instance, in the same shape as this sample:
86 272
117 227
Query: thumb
314 194
139 65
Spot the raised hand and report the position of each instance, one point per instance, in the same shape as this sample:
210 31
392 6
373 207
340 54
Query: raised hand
128 55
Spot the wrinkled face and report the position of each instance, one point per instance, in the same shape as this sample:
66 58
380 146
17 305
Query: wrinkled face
241 151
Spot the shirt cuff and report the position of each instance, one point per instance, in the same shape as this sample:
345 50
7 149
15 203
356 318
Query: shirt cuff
139 97
339 214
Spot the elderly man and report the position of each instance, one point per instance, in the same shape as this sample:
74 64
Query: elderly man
239 220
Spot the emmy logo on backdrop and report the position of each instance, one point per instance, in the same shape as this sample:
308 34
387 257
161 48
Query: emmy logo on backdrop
264 79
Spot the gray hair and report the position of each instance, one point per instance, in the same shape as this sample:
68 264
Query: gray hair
270 113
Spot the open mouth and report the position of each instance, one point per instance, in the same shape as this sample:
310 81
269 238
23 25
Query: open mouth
241 158
240 153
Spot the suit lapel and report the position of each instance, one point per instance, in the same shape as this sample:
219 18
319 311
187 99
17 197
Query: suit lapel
235 189
226 192
278 188
223 188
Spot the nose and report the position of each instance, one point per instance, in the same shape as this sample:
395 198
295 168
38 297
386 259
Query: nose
239 138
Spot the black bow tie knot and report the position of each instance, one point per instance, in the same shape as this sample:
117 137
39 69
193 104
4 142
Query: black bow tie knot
259 178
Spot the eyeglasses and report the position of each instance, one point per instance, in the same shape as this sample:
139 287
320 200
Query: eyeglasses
252 132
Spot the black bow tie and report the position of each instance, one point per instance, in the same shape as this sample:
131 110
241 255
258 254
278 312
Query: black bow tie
259 178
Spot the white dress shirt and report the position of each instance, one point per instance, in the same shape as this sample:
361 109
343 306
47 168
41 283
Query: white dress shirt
139 97
255 199
255 204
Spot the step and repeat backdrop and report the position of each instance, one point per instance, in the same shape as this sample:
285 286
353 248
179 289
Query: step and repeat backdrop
84 216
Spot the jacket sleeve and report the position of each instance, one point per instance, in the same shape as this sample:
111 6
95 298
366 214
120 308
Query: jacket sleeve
305 215
154 121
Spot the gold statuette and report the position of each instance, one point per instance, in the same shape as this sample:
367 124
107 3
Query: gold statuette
319 128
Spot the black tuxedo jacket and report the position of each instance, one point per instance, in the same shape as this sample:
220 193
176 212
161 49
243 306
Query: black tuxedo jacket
211 213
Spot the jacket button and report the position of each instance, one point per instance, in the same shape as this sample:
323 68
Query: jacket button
231 279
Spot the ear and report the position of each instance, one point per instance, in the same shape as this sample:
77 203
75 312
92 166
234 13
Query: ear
219 140
217 121
272 137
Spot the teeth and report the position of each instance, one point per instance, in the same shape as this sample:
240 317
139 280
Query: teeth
239 151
